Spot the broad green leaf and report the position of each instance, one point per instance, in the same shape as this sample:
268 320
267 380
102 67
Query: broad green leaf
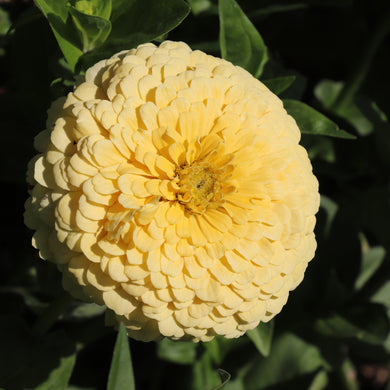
225 378
372 258
291 357
179 352
121 372
131 25
56 12
59 377
279 84
261 336
100 8
240 42
93 30
311 121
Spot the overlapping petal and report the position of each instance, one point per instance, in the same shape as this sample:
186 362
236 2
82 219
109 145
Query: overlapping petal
172 188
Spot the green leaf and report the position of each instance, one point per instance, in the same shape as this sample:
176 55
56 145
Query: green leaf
240 42
5 22
51 314
225 378
319 148
30 362
121 374
203 374
179 352
299 382
100 8
372 258
291 357
199 6
213 350
382 295
320 381
131 25
56 12
311 121
327 92
367 323
85 310
93 30
59 377
331 208
262 337
279 84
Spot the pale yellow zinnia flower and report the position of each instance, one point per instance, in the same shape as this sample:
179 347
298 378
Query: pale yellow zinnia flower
170 187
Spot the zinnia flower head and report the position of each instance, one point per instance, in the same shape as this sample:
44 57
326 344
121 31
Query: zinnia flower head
170 187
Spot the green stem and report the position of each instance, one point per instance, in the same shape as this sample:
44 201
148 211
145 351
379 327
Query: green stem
47 319
360 72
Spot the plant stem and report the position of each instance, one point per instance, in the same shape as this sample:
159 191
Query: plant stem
364 62
47 319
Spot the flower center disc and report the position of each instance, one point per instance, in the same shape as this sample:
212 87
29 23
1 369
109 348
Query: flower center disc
198 186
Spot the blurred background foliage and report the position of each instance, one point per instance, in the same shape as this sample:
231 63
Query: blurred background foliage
332 55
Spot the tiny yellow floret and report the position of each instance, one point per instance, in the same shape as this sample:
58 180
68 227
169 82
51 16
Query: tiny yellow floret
170 187
199 186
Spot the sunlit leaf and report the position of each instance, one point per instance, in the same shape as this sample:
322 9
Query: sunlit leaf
121 374
261 336
100 8
131 25
311 121
56 12
93 30
179 352
240 42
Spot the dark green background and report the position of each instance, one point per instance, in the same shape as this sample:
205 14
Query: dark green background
336 324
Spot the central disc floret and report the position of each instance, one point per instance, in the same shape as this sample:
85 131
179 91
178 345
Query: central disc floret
199 186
